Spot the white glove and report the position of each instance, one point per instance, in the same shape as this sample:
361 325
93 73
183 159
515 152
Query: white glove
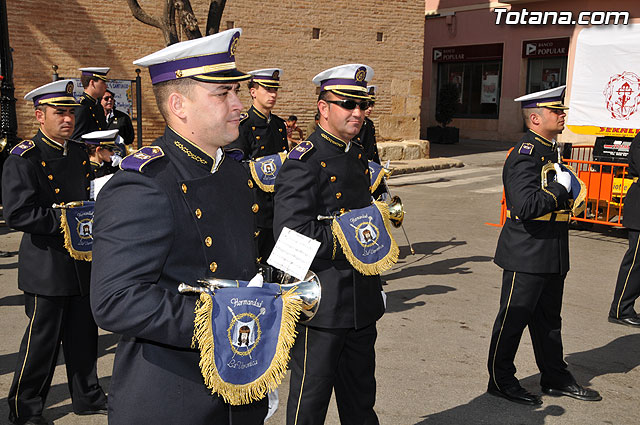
116 160
563 177
256 281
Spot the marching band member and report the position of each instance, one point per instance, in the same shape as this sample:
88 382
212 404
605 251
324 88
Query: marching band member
180 211
262 134
328 174
533 251
38 173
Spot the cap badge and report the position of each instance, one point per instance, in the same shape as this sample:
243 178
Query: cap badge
69 88
234 45
361 73
275 75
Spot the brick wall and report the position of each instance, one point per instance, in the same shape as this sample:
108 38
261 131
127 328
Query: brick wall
80 33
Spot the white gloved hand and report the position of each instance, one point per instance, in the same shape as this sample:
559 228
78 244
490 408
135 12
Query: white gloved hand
116 160
256 281
563 177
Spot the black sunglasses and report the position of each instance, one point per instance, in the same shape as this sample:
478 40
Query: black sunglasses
107 98
350 104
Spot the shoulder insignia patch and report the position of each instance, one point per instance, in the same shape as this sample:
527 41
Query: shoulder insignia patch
526 149
140 158
243 116
21 148
299 151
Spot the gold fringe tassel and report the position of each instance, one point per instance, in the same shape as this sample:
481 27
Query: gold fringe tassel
271 378
379 266
254 174
64 229
378 180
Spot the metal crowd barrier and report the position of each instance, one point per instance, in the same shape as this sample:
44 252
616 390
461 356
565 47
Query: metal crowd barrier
607 184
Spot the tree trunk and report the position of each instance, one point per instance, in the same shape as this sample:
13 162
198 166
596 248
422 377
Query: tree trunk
216 7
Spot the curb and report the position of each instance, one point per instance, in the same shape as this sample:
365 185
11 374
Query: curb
420 165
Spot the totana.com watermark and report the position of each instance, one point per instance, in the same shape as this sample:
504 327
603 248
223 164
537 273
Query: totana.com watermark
524 17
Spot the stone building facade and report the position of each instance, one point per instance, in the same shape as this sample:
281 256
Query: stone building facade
387 35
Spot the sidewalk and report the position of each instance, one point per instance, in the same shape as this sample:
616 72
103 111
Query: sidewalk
450 156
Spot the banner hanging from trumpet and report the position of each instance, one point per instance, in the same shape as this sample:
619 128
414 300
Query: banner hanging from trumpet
365 237
377 173
76 224
244 336
265 170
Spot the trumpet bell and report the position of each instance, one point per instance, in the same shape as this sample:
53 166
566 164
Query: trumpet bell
308 290
396 212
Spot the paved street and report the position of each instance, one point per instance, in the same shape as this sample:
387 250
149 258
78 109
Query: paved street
433 340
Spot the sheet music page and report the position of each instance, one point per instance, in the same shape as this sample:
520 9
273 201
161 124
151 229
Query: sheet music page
96 185
293 253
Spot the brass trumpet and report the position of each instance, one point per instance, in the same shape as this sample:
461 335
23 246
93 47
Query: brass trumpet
308 290
396 212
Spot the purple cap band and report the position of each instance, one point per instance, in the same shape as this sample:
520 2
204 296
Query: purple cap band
343 82
533 103
167 71
37 99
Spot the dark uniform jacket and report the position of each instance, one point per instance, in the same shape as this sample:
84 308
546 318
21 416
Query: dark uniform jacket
631 217
89 117
173 221
121 122
324 181
261 137
101 170
367 138
528 245
36 175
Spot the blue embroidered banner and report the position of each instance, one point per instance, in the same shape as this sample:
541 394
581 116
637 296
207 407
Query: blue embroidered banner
244 335
265 170
76 224
365 237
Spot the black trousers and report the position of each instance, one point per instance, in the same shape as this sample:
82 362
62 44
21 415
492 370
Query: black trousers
628 283
54 320
342 360
532 300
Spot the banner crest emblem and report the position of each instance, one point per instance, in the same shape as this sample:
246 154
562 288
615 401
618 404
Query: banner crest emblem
365 237
265 170
76 224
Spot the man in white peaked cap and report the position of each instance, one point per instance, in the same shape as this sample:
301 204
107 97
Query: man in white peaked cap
179 211
326 175
533 251
262 133
38 173
90 115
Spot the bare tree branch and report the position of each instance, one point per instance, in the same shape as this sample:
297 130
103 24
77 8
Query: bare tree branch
178 20
169 16
187 19
143 16
216 7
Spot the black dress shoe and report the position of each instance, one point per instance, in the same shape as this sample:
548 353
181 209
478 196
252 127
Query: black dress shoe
516 394
627 321
575 391
102 410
